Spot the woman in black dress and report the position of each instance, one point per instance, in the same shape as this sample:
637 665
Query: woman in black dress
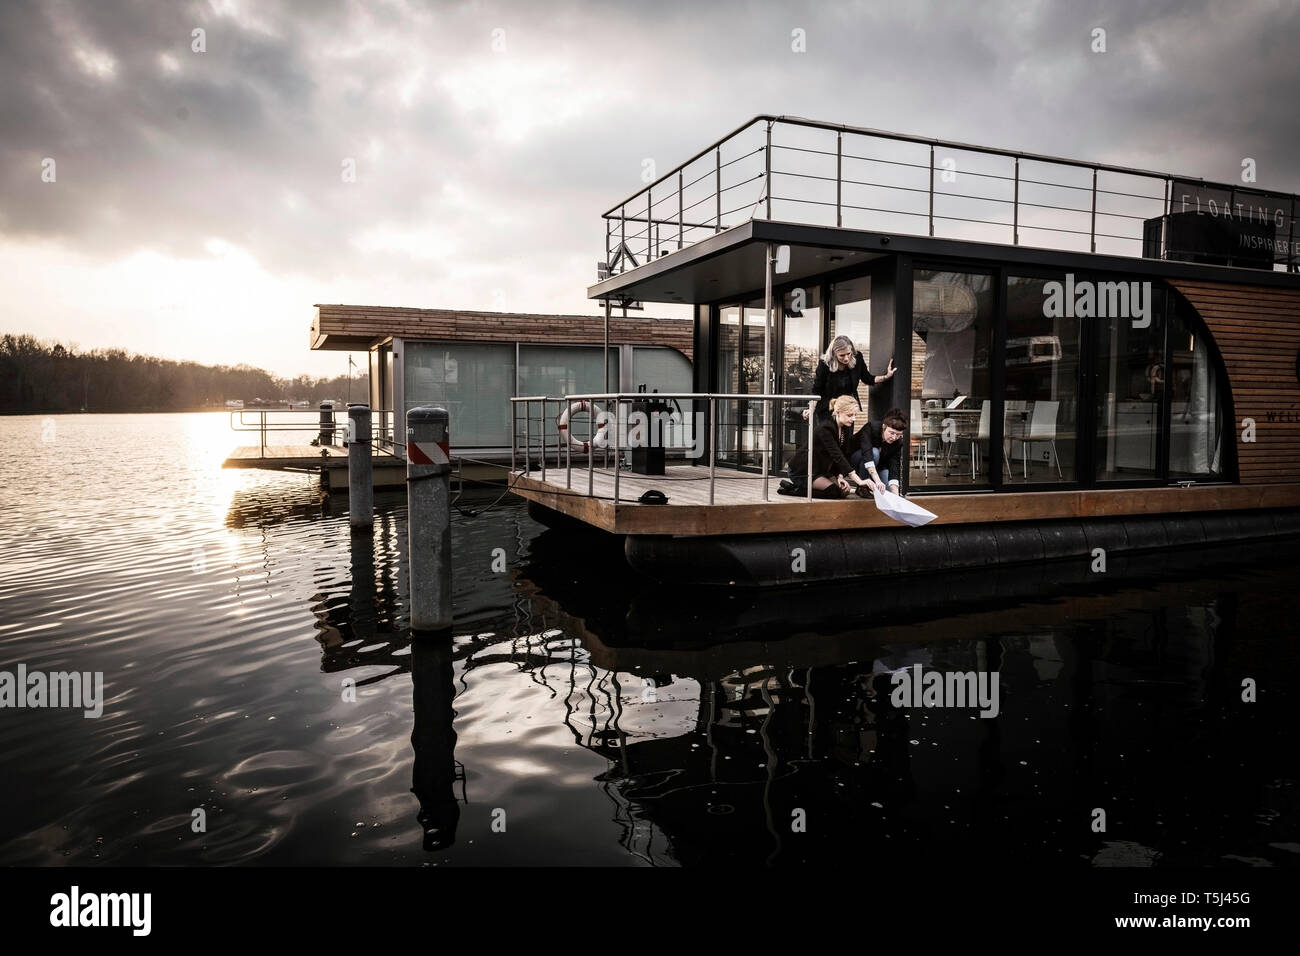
833 476
839 372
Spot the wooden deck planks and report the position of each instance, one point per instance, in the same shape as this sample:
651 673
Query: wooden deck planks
281 457
740 509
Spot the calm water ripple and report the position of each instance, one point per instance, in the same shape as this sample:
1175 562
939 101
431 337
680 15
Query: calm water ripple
258 673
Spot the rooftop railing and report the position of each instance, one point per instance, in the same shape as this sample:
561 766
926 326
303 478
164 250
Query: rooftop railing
789 169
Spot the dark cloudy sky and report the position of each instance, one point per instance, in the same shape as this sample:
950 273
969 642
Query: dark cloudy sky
199 210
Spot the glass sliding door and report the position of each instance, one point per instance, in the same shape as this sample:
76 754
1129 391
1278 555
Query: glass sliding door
1042 381
801 326
750 414
851 316
728 356
1128 386
952 402
740 372
1196 426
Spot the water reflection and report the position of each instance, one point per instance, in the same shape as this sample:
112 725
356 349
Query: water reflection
435 770
1104 693
359 618
757 728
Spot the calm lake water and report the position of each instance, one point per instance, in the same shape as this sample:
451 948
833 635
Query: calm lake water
583 716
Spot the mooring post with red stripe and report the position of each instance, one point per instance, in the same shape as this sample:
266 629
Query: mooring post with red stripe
361 472
428 517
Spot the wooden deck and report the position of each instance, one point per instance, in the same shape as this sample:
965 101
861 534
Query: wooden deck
298 457
739 507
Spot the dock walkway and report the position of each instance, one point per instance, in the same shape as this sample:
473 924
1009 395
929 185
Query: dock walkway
289 457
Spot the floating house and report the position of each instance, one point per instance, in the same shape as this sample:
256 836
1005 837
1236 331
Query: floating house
1092 358
472 364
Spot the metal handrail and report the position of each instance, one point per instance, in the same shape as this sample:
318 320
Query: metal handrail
712 398
382 429
660 228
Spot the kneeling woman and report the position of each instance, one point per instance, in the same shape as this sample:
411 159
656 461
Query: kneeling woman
832 443
877 460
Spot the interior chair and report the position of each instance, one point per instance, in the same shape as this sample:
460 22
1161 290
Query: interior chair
1042 427
919 437
1015 421
982 435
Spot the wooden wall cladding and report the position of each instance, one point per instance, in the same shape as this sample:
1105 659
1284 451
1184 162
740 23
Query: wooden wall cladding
355 323
1257 331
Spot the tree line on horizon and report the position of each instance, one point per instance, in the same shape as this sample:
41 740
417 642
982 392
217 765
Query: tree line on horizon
37 376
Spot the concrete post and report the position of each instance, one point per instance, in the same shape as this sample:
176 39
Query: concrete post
361 476
326 436
428 517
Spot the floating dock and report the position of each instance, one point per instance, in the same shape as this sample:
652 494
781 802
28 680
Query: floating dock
330 461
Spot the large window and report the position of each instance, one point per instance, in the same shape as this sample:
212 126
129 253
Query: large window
660 369
564 370
951 400
1196 415
473 382
1041 409
740 371
801 313
559 370
667 370
851 316
1128 386
1104 379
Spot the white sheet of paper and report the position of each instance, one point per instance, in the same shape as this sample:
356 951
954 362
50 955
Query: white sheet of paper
900 509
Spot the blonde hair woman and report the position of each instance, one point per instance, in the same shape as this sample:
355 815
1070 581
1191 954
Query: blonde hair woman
839 372
833 442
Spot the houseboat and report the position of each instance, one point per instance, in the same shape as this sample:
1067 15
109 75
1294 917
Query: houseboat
472 364
1092 359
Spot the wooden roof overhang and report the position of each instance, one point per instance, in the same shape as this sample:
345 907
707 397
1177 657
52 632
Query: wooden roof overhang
360 327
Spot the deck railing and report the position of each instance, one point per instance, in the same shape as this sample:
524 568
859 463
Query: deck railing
272 421
790 169
538 447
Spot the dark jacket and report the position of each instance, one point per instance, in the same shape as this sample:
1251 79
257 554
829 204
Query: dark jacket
831 385
832 445
872 436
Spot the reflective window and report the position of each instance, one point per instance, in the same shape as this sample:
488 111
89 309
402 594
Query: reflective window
851 316
1042 380
801 311
951 407
666 370
558 370
1196 421
1128 385
740 371
473 382
728 352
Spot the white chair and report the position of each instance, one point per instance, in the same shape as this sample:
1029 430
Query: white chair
919 436
1042 427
